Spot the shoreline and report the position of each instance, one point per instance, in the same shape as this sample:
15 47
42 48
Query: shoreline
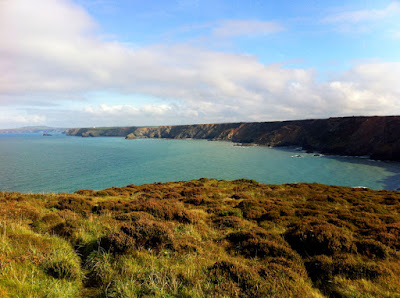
377 136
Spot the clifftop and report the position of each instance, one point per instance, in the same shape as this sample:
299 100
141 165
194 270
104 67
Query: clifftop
201 238
377 137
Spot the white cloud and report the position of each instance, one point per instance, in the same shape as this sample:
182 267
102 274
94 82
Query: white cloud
55 53
232 28
394 34
18 119
365 15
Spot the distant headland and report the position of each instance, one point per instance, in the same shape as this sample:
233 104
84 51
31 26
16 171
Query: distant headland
33 129
377 137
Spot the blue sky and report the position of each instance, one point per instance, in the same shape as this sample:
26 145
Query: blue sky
112 63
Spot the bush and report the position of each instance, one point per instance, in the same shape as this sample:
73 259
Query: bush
67 230
197 201
322 268
136 235
47 221
191 192
229 222
172 196
234 280
19 212
252 209
316 237
372 249
86 192
166 210
106 193
77 205
252 245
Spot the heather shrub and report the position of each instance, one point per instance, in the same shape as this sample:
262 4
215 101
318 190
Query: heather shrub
68 230
191 192
172 195
85 192
252 245
47 221
117 242
229 222
150 195
316 237
234 280
106 193
194 183
386 234
77 205
134 216
166 210
197 201
187 246
137 235
251 209
372 249
322 269
295 265
19 212
247 182
353 268
240 196
112 206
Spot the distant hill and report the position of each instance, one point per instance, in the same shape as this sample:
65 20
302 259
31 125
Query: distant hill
32 129
377 137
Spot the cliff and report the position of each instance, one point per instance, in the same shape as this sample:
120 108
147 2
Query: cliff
377 137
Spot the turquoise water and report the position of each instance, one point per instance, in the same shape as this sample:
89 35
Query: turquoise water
33 163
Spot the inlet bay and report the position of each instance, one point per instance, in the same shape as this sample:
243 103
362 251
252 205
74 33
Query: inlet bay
33 163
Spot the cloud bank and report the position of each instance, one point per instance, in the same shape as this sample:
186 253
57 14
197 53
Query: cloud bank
51 52
365 15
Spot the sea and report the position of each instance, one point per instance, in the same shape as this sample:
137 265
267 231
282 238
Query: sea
60 163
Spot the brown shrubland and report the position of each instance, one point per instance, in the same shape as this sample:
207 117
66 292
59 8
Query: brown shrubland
199 238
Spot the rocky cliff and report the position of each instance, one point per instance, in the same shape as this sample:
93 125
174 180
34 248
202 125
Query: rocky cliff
377 137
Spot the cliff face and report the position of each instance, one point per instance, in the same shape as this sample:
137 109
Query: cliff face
377 137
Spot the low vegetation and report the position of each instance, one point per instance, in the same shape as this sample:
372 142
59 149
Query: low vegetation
201 238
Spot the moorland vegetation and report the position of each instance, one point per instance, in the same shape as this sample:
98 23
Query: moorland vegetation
201 238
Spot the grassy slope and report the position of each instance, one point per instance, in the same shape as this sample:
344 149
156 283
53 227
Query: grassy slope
201 238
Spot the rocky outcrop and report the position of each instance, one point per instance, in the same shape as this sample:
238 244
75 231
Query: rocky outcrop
377 137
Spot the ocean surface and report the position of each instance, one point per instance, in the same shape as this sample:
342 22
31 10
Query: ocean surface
35 163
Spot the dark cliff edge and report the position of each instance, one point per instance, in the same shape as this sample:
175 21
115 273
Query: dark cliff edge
377 137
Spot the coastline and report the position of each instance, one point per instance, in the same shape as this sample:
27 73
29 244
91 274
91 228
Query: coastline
377 137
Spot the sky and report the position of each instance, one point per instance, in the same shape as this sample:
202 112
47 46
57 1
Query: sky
83 63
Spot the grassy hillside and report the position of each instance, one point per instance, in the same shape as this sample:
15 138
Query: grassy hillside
201 238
